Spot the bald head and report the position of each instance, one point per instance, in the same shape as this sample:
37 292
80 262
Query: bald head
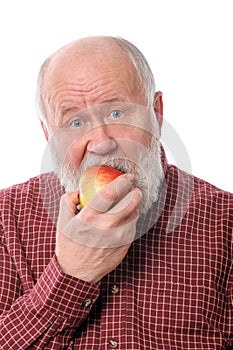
85 48
89 45
94 55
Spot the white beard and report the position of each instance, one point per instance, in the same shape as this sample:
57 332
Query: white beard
147 169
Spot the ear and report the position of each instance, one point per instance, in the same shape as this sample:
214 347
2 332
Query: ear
158 107
45 129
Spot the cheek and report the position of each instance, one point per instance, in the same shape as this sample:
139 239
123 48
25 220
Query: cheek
75 152
132 133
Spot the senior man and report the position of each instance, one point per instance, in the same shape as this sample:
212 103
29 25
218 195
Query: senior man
147 264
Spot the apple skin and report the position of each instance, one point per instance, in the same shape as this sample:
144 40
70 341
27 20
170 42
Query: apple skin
93 180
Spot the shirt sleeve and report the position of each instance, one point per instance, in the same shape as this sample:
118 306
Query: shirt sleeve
57 302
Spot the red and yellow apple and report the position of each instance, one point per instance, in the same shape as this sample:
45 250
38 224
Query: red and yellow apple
93 180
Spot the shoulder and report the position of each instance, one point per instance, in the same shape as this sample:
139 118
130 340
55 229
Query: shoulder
200 197
201 189
31 190
204 190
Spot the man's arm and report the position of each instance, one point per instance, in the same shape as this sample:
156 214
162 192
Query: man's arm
56 302
63 295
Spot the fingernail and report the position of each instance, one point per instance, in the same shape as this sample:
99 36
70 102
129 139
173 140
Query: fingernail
130 177
123 186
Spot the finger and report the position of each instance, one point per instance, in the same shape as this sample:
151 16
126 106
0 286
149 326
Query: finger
127 205
111 193
68 208
114 228
106 237
72 200
123 212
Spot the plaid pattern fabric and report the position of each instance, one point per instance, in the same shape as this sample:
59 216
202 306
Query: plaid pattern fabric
173 290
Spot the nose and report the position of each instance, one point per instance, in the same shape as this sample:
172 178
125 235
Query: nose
100 142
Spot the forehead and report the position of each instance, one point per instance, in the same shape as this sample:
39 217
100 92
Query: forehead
86 60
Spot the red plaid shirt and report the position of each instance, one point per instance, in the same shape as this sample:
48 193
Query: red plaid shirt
173 290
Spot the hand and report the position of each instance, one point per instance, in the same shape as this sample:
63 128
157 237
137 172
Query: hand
91 243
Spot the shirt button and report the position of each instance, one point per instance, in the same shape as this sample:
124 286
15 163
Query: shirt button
113 344
87 302
114 289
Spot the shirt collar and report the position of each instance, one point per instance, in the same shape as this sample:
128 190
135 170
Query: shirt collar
164 159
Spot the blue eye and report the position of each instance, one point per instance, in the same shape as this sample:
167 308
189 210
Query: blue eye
77 123
116 114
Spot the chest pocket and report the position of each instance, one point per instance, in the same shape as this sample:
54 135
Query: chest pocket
180 309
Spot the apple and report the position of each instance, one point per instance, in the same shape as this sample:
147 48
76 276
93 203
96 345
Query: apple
93 180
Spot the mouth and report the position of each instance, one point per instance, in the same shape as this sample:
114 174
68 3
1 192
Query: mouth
119 163
115 166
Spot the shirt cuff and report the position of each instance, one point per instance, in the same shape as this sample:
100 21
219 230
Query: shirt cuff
64 295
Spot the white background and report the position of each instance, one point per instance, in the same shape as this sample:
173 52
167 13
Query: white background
187 43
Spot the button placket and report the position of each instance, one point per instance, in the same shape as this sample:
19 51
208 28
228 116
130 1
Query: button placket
113 335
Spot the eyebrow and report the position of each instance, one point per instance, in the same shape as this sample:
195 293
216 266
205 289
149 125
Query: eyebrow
66 109
113 99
